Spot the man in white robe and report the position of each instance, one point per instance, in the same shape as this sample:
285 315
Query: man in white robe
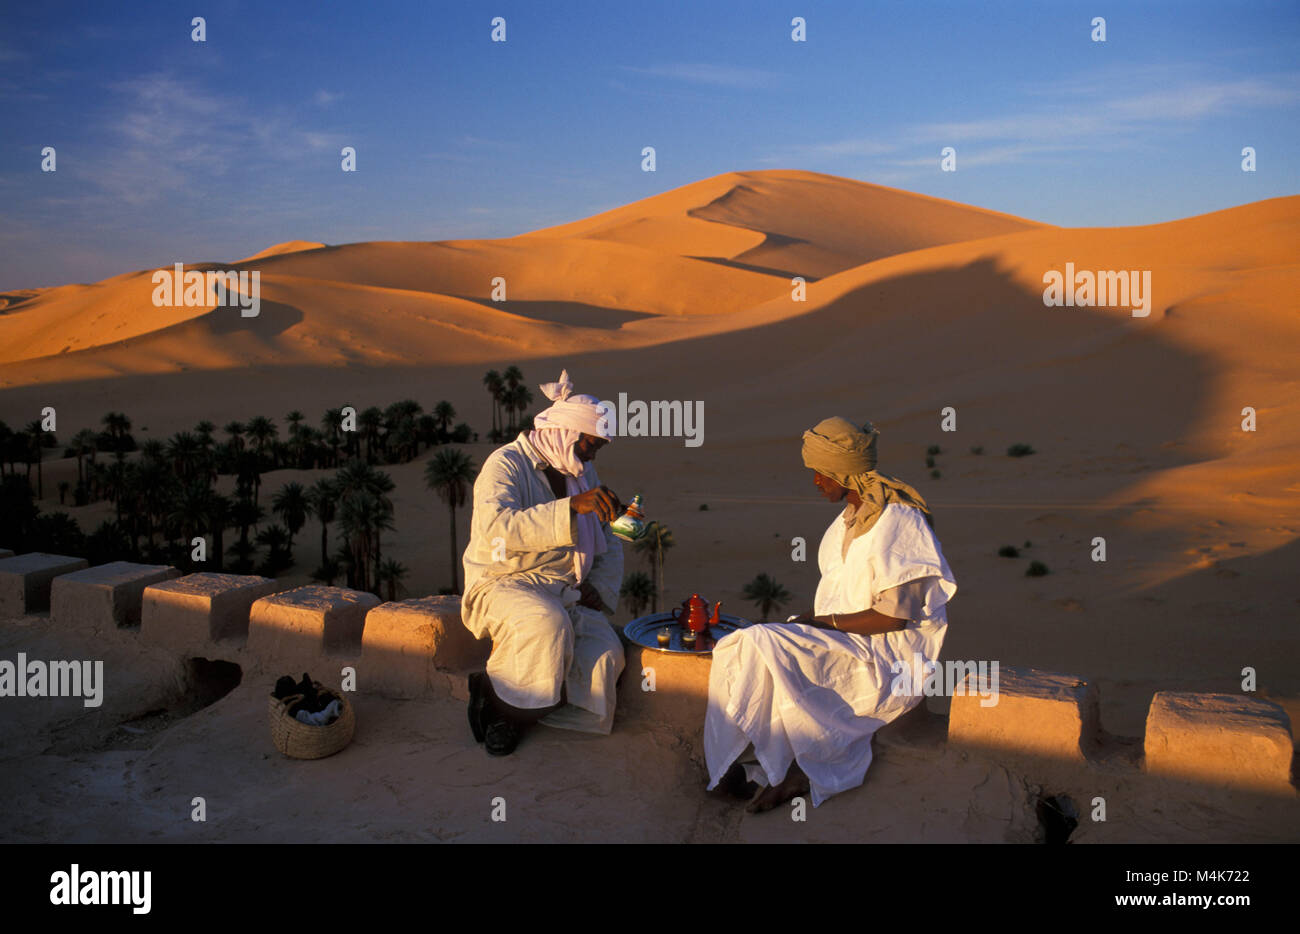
809 694
541 571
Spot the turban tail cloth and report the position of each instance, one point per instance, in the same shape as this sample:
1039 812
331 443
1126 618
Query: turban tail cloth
555 432
839 449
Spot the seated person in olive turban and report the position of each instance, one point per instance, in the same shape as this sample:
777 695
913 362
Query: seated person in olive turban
810 693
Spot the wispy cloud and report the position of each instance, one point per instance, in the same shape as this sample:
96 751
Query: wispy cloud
166 131
1074 117
727 76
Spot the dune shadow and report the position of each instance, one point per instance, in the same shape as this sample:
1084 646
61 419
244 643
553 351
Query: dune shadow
753 267
273 318
574 314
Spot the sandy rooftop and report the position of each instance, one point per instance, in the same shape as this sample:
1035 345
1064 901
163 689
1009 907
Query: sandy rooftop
913 304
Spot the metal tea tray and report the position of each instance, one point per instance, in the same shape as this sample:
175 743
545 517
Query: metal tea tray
644 631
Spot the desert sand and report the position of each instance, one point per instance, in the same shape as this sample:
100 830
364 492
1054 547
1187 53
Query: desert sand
913 304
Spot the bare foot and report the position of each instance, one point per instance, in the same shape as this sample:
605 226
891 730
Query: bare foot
793 785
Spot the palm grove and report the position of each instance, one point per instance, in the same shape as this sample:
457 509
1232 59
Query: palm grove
167 507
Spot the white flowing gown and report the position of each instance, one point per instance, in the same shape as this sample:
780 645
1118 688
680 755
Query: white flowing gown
521 592
816 696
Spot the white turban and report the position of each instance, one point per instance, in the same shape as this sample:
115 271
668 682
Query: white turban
578 411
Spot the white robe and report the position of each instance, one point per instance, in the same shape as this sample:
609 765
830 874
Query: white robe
521 592
816 696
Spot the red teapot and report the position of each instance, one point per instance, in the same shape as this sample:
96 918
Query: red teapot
694 614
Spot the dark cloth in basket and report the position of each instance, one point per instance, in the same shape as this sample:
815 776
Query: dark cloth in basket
313 701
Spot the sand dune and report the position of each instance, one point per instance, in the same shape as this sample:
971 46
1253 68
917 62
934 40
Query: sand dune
790 223
716 247
279 249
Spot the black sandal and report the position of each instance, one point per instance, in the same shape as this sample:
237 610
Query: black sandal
501 738
479 705
737 784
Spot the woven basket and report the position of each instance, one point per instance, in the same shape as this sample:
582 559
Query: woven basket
302 740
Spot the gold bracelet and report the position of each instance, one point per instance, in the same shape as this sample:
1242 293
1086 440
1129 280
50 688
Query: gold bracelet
833 625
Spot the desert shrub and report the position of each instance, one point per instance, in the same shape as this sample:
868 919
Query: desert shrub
1036 569
933 449
1008 551
1020 450
977 449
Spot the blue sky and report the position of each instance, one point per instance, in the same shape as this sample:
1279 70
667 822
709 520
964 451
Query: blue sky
171 150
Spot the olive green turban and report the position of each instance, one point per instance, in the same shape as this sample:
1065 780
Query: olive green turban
839 449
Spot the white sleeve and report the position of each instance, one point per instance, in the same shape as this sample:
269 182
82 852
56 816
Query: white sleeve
906 601
906 551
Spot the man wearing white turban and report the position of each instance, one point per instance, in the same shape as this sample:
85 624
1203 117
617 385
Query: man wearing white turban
809 694
541 569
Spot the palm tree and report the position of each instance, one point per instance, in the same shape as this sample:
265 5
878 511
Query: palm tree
405 440
426 430
35 441
638 590
242 551
263 432
279 553
156 483
204 430
450 473
445 415
312 443
186 453
320 500
118 426
246 513
290 504
370 422
364 513
656 540
294 419
236 432
221 512
116 483
83 443
513 380
392 573
766 594
403 429
190 512
358 518
494 384
248 474
153 450
331 424
6 446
